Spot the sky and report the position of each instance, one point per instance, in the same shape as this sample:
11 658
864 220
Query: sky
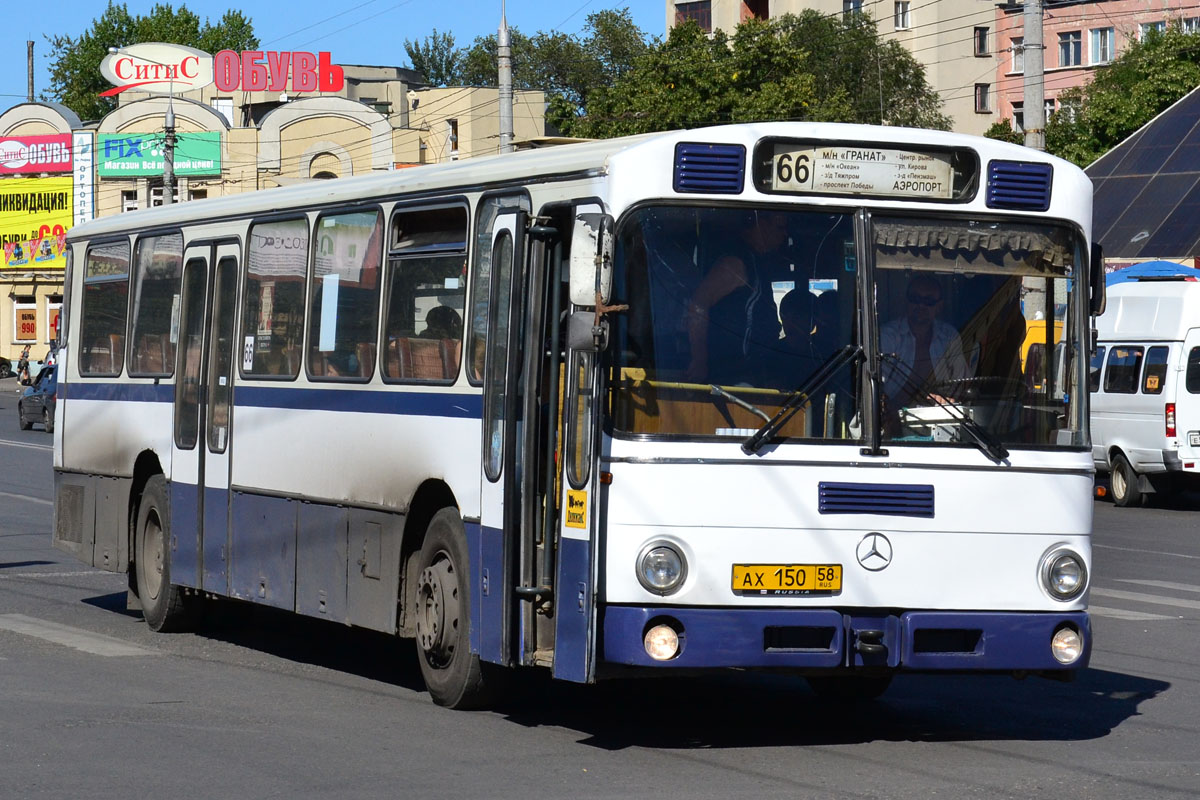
352 31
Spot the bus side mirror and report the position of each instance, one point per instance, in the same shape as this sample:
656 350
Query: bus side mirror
591 258
1099 294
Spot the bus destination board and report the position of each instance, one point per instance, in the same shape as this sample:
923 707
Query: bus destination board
862 170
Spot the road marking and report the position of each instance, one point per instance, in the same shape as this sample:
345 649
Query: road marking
1153 599
28 499
12 443
1140 550
1120 613
77 638
1179 587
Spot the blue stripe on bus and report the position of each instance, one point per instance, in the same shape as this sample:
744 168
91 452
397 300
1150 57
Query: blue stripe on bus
408 403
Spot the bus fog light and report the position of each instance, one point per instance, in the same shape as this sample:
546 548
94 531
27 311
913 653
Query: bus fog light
1063 574
1067 645
662 643
660 568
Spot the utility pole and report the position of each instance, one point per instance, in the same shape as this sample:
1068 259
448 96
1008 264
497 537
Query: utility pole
504 51
1035 77
169 150
29 66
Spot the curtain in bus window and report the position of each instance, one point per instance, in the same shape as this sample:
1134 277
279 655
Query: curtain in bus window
345 307
105 303
158 265
273 312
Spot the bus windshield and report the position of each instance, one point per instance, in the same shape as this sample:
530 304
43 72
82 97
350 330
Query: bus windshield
732 309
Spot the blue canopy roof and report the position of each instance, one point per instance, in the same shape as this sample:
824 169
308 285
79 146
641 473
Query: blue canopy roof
1151 269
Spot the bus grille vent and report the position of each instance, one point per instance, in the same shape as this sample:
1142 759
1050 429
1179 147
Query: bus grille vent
1018 185
709 168
899 499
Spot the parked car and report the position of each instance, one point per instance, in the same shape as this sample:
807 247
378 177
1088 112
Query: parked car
38 402
6 367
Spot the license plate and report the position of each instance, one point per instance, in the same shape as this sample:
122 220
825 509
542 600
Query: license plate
787 579
1194 438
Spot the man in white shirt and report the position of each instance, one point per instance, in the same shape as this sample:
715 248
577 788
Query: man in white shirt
920 351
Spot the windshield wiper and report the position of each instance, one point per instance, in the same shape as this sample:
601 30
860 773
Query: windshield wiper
737 401
799 397
983 439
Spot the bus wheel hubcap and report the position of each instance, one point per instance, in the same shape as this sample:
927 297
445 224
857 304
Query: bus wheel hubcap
437 611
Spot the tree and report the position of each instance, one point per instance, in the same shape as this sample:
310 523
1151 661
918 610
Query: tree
807 67
75 79
436 58
1122 97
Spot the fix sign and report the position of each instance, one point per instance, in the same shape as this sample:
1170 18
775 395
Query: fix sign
160 67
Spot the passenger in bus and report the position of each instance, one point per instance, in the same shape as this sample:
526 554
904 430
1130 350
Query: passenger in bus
921 353
442 322
733 324
795 357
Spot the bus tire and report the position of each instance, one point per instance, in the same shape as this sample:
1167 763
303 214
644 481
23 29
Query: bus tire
1124 481
163 605
442 606
849 688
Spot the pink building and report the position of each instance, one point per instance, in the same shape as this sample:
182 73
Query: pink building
1078 37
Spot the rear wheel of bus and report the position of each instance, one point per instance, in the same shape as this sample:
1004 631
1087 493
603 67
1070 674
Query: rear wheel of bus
1124 481
163 605
442 604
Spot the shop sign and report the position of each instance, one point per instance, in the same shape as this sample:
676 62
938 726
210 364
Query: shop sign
134 154
20 155
174 68
26 324
157 67
35 215
85 189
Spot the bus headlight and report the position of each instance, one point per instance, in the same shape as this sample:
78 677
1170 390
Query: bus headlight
662 642
1063 574
661 568
1067 645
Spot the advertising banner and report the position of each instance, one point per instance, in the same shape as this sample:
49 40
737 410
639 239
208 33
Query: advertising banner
35 214
134 154
24 155
85 190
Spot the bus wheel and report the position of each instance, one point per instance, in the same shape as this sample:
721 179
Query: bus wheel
849 688
442 603
1124 482
163 605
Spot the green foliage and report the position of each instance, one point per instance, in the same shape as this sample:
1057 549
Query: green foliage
807 67
1144 81
75 79
1003 130
436 58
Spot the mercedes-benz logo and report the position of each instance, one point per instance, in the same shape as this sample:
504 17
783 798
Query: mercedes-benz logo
874 552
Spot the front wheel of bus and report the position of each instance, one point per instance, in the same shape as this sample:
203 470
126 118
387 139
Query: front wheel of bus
163 605
1124 480
442 604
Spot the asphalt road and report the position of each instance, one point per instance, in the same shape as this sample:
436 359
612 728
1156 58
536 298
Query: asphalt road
262 704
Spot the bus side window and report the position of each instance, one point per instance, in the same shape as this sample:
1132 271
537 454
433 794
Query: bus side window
1192 379
105 305
1124 366
273 317
345 304
158 269
1094 369
1156 371
481 277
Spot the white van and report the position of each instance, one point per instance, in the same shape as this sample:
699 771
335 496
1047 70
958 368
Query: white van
1145 383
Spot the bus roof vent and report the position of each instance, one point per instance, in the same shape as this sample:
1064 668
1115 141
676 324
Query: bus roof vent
709 168
898 499
1019 185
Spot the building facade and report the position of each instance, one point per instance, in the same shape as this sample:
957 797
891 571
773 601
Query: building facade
57 171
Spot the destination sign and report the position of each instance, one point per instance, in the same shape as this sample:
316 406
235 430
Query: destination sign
862 170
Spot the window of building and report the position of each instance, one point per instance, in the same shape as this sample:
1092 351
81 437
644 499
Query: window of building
698 12
756 9
224 107
851 7
1146 27
1018 116
1155 374
158 268
427 294
1018 54
197 194
1191 24
105 305
452 137
345 304
1070 49
982 47
273 314
983 98
1124 366
1103 45
54 303
129 200
156 194
901 15
24 319
1049 107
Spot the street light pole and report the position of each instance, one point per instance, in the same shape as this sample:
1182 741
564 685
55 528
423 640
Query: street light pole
168 131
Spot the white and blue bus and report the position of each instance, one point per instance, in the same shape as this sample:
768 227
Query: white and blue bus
748 397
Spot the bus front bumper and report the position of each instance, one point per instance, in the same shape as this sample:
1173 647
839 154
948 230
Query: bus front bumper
828 639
